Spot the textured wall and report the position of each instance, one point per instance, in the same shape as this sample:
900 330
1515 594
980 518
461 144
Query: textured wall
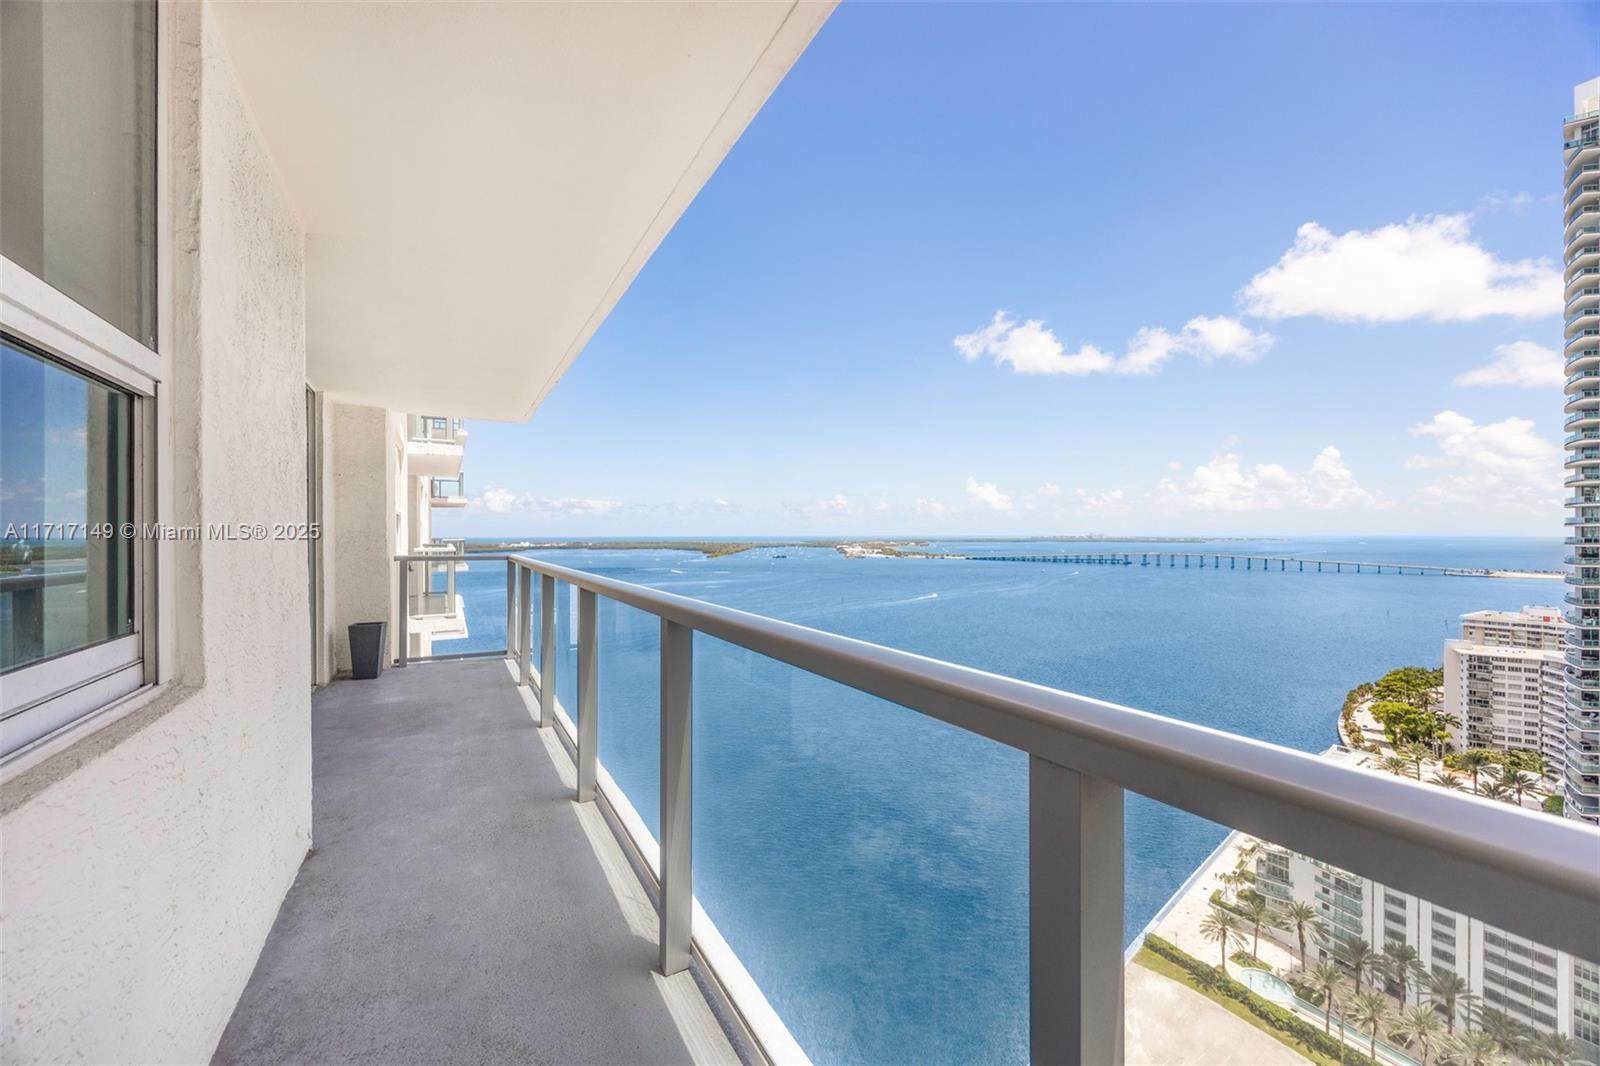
142 868
360 464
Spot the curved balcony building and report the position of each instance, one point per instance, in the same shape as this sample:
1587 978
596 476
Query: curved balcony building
1581 351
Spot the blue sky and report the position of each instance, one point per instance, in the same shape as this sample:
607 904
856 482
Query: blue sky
815 347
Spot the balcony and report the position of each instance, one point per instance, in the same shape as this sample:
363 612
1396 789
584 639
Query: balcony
434 445
452 491
454 909
575 634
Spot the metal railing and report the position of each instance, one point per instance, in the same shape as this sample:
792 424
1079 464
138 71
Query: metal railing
434 429
447 488
1523 871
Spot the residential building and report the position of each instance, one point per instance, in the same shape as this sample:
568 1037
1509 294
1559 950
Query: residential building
1548 990
252 245
1504 683
1581 256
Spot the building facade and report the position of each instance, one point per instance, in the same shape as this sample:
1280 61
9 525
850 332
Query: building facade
1581 348
1504 683
1549 991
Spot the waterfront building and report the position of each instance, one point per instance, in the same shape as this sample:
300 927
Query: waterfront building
260 247
1504 683
1548 990
1581 333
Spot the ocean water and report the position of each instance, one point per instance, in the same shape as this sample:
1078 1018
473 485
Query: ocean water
869 865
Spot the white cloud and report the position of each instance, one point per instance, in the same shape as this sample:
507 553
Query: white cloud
1114 500
1501 464
1520 363
1421 268
927 505
1515 202
1049 488
497 499
988 494
1227 484
1032 348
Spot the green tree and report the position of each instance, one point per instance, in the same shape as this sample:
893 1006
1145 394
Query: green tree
1369 1010
1258 911
1473 1049
1399 964
1450 781
1448 989
1395 765
1222 928
1518 782
1415 685
1417 752
1419 1027
1553 805
1473 761
1556 1049
1302 918
1512 1037
1329 979
1357 954
1495 790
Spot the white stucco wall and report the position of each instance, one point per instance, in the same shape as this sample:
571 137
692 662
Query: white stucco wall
360 465
142 867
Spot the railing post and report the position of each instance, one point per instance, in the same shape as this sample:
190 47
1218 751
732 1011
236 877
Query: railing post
1075 916
588 694
402 639
524 626
547 650
677 876
511 609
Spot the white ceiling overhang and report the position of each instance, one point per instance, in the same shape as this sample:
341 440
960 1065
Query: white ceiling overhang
480 182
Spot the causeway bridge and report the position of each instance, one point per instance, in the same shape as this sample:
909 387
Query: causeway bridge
1225 561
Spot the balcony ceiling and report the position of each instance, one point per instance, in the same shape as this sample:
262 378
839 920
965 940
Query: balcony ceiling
480 183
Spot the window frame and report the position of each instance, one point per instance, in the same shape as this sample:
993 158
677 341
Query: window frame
43 700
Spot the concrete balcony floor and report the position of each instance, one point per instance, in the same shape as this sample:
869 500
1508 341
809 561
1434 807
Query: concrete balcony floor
457 905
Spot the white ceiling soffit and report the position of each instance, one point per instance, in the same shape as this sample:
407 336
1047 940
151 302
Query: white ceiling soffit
480 182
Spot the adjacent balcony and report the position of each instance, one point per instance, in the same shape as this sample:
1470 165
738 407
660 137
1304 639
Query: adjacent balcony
434 445
452 491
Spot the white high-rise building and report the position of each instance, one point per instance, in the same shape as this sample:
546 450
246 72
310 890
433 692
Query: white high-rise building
1581 256
1504 683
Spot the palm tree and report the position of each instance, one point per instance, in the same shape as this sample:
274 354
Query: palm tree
1329 979
1519 782
1300 917
1450 781
1399 963
1493 789
1221 926
1509 1035
1446 989
1247 853
1474 760
1258 911
1474 1049
1369 1010
1421 1026
1356 954
1395 765
1416 753
1554 1049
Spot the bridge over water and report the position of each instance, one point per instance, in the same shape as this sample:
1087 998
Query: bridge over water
1225 561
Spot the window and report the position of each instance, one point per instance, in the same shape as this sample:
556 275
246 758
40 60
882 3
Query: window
78 368
77 178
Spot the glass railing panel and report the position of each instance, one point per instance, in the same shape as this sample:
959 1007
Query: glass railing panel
630 702
1267 932
566 616
879 903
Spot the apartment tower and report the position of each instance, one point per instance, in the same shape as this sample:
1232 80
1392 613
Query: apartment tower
1504 683
1581 332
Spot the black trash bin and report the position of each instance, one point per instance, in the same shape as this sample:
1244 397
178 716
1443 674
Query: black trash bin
366 648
